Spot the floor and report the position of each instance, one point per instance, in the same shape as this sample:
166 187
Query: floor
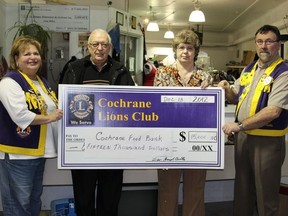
219 209
212 209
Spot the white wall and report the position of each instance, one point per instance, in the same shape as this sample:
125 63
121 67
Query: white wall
98 19
8 19
273 17
222 47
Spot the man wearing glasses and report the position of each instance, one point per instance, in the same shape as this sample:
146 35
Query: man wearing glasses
261 124
98 68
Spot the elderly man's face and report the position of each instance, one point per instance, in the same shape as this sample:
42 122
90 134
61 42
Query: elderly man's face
99 47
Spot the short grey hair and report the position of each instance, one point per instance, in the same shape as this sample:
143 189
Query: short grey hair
99 31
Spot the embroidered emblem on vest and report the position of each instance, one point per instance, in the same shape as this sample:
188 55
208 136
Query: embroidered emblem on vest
23 133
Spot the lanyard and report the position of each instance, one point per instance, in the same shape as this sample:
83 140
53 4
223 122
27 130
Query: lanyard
40 99
246 80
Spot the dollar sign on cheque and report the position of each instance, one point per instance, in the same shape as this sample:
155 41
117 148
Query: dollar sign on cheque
182 136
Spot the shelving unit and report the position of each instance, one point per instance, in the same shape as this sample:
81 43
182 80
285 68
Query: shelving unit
235 70
239 67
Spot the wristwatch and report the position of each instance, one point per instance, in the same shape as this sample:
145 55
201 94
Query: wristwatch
240 125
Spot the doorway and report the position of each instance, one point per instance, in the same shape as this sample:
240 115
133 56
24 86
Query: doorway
58 56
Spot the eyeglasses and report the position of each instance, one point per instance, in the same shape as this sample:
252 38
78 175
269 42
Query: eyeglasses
188 48
267 42
96 45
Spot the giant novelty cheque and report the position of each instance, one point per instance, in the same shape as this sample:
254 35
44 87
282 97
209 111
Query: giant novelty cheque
135 127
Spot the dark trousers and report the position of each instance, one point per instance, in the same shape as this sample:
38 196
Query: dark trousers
258 161
109 188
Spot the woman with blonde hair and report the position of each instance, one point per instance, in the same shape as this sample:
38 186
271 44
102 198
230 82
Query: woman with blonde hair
29 115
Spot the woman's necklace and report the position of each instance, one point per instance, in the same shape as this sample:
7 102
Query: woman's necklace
185 78
185 73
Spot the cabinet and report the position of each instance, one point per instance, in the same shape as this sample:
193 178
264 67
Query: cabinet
248 57
131 41
128 22
234 71
284 46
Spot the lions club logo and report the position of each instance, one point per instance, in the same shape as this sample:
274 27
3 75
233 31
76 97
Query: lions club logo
81 106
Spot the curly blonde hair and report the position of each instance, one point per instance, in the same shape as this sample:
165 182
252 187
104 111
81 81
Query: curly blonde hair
187 36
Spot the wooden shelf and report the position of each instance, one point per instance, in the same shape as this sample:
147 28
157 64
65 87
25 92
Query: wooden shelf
236 66
235 70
